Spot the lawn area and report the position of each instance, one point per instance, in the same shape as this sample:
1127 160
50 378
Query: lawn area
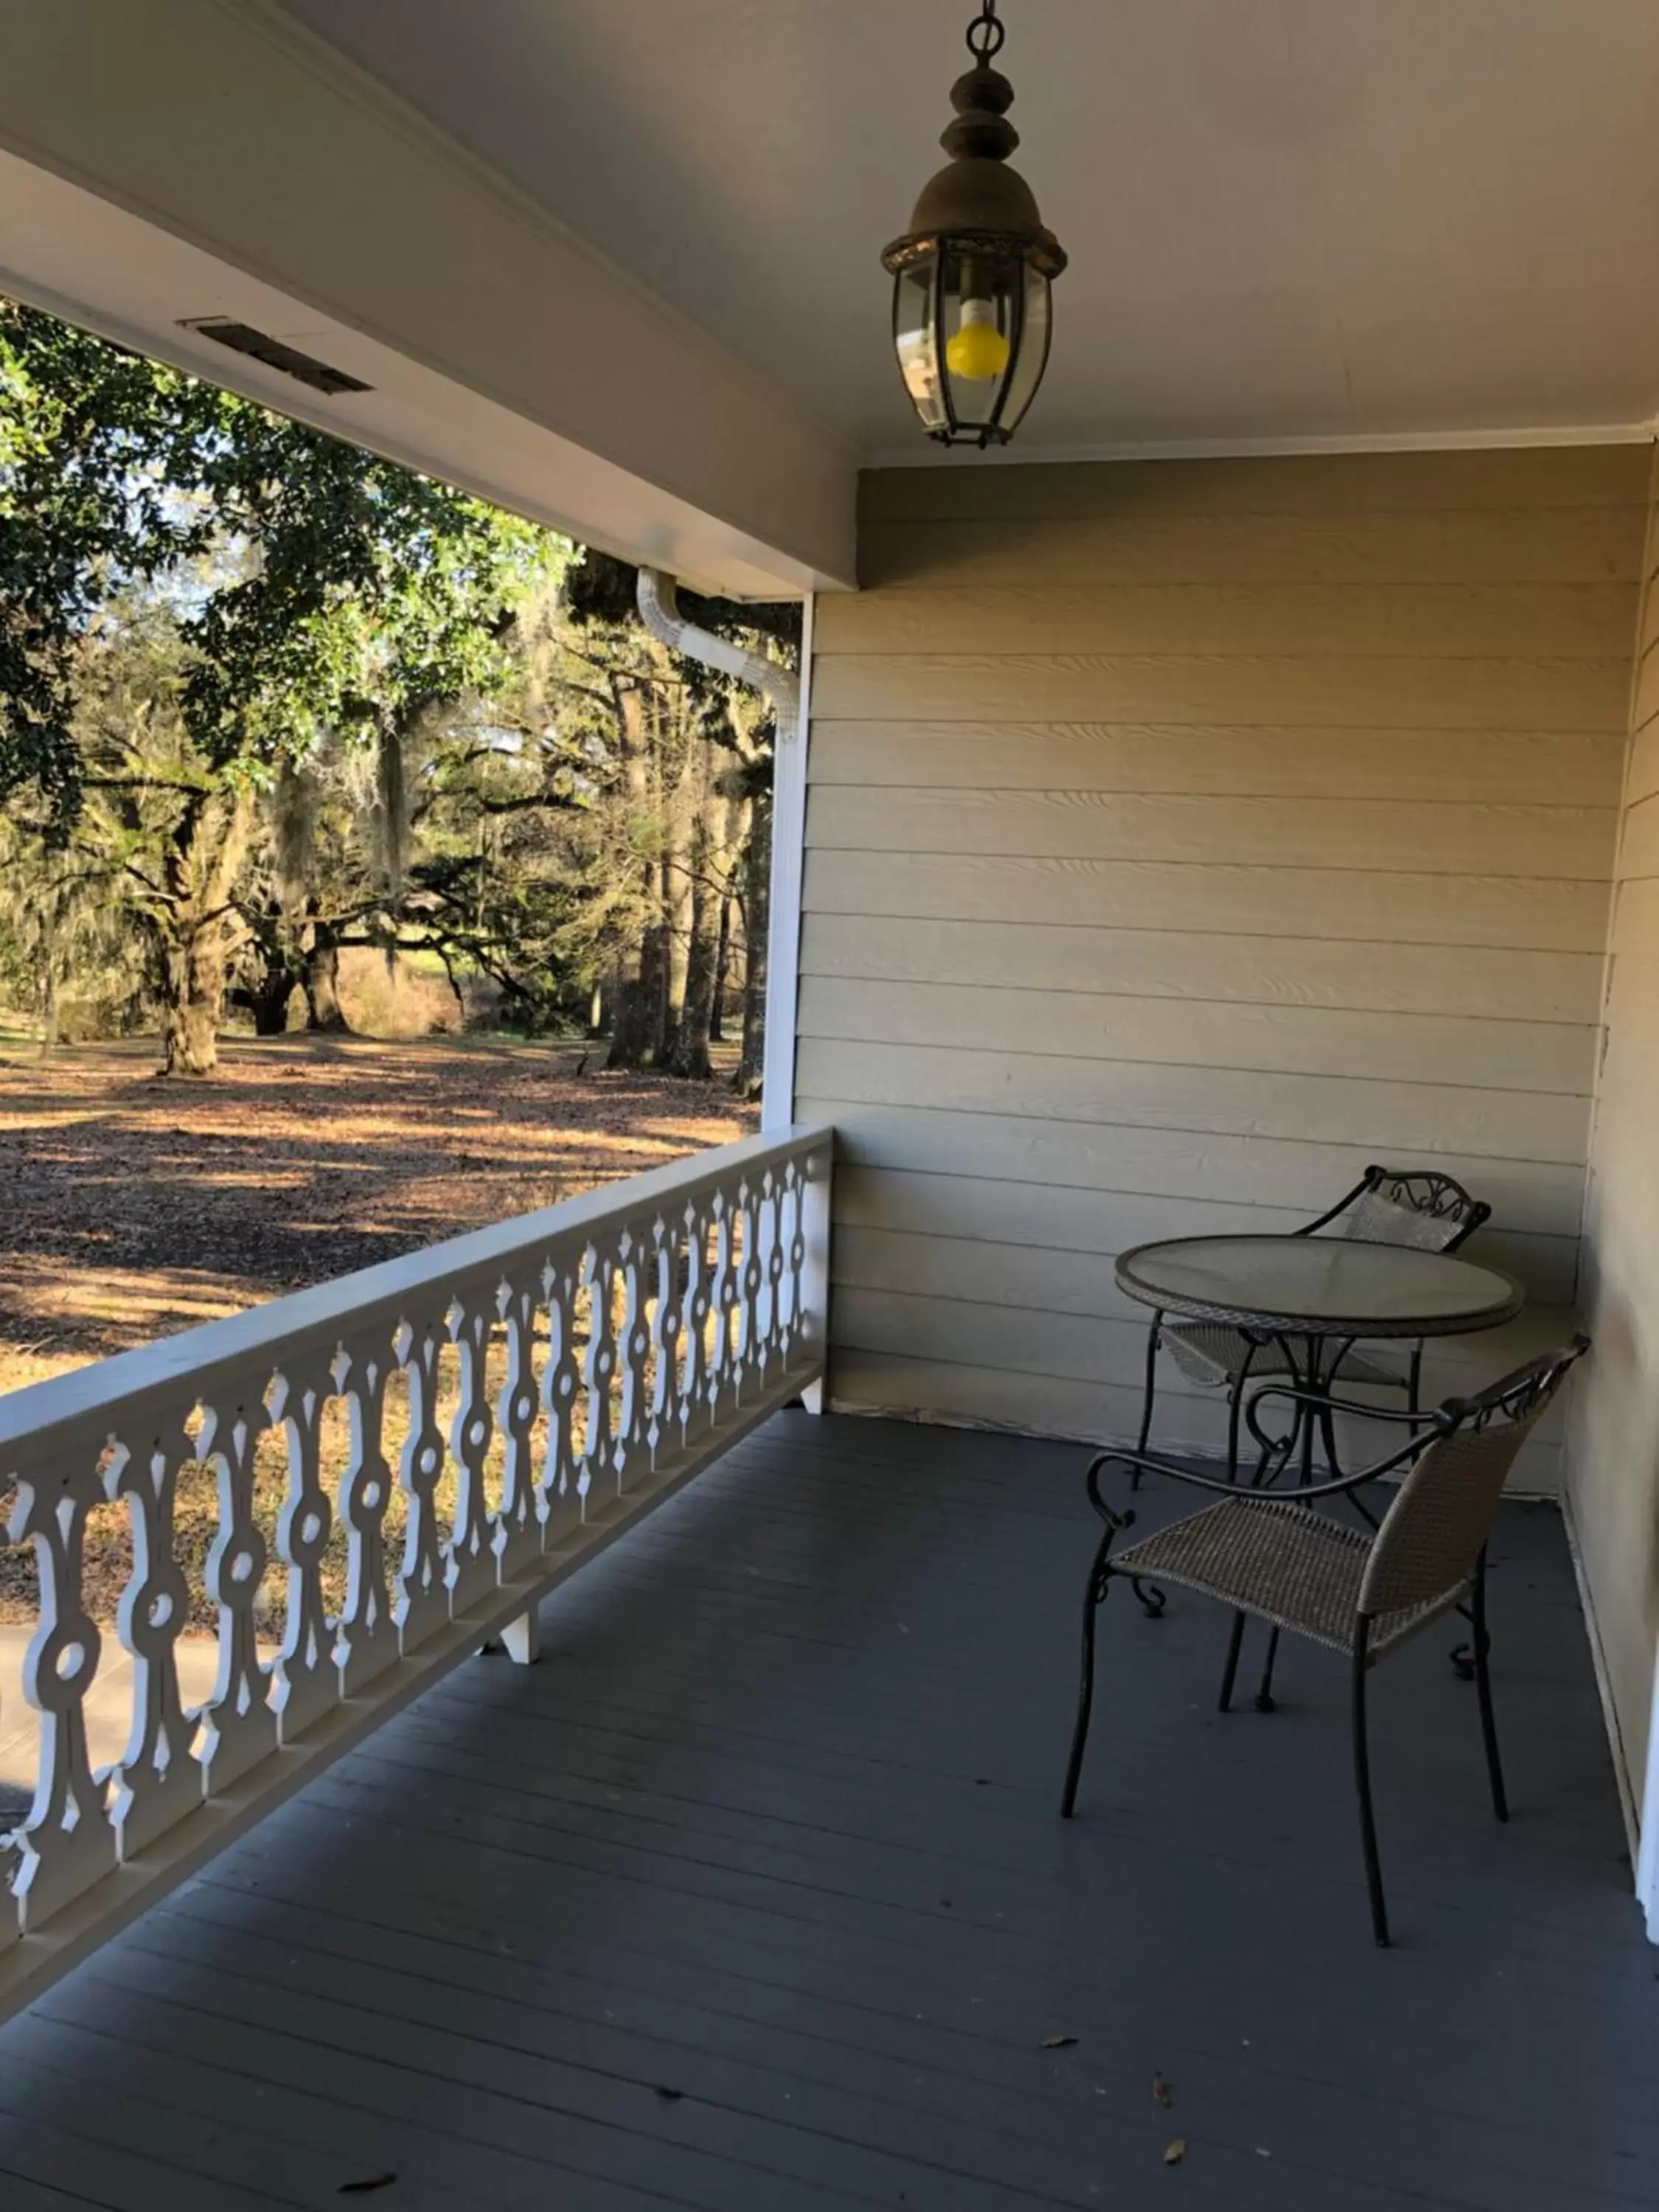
135 1207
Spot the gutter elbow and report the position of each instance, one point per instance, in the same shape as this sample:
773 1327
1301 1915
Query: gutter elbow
657 598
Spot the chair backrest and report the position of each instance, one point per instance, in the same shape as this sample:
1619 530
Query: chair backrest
1397 1207
1442 1515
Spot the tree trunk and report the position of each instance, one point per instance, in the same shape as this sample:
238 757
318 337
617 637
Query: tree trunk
722 974
691 1049
193 993
273 968
673 965
322 979
733 820
690 1053
684 859
638 999
268 1003
757 879
630 1028
193 923
653 1012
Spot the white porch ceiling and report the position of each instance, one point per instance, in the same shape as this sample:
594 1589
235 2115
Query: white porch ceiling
1290 219
614 262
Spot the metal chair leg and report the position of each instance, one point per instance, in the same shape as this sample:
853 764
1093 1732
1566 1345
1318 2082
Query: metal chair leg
1328 1438
1500 1803
1264 1696
1154 1336
1093 1597
1362 1775
1230 1674
1235 1414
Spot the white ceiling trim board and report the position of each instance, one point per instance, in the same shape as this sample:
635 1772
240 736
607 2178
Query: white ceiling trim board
924 454
269 155
271 23
76 256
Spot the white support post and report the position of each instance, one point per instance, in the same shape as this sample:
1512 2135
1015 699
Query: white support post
814 1281
1647 1856
788 869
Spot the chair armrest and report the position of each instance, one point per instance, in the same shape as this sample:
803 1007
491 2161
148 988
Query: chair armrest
1422 1425
1331 1405
1150 1463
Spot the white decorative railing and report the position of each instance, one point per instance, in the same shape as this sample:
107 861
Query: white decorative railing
455 1432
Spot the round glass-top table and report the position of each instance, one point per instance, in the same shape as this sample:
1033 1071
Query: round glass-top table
1313 1298
1318 1286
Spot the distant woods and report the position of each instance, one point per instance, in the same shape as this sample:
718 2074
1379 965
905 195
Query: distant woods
266 698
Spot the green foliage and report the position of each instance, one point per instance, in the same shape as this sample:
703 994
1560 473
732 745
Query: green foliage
99 451
265 697
345 593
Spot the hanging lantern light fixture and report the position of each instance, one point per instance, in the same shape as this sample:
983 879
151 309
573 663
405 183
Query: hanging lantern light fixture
971 275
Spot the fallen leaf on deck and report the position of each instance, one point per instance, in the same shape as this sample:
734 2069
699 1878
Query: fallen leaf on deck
1058 2042
363 2188
1162 2092
1176 2151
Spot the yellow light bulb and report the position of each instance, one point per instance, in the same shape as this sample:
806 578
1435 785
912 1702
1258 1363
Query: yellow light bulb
978 349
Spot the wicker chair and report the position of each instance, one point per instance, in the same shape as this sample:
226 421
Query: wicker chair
1386 1205
1269 1556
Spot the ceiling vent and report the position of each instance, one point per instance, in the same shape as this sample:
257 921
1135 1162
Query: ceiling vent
242 338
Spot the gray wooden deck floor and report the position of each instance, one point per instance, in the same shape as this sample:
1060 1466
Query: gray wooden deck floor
752 1895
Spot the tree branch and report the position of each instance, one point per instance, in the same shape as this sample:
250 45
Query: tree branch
149 783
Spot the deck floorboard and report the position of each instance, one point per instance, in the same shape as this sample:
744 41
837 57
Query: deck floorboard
753 1894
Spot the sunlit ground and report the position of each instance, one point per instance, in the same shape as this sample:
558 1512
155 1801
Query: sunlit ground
135 1207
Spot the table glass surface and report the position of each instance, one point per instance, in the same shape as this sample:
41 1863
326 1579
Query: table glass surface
1319 1281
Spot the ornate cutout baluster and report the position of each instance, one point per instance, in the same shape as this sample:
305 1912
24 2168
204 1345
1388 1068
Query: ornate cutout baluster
791 1250
769 1252
422 1602
696 1305
471 1572
562 1484
630 1451
519 1524
307 1682
367 1641
239 1723
720 1388
10 1931
599 1485
663 1429
752 1278
157 1781
66 1844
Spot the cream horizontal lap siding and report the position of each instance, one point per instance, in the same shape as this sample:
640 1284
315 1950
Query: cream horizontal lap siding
1183 837
1613 1464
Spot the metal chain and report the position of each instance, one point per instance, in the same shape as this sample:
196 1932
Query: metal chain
985 35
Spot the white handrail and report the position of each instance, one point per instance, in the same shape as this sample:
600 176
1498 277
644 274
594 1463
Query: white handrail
556 1375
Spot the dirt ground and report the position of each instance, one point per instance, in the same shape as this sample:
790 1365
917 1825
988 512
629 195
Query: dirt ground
132 1207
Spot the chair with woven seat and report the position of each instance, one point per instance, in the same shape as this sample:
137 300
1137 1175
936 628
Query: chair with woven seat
1387 1205
1362 1593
